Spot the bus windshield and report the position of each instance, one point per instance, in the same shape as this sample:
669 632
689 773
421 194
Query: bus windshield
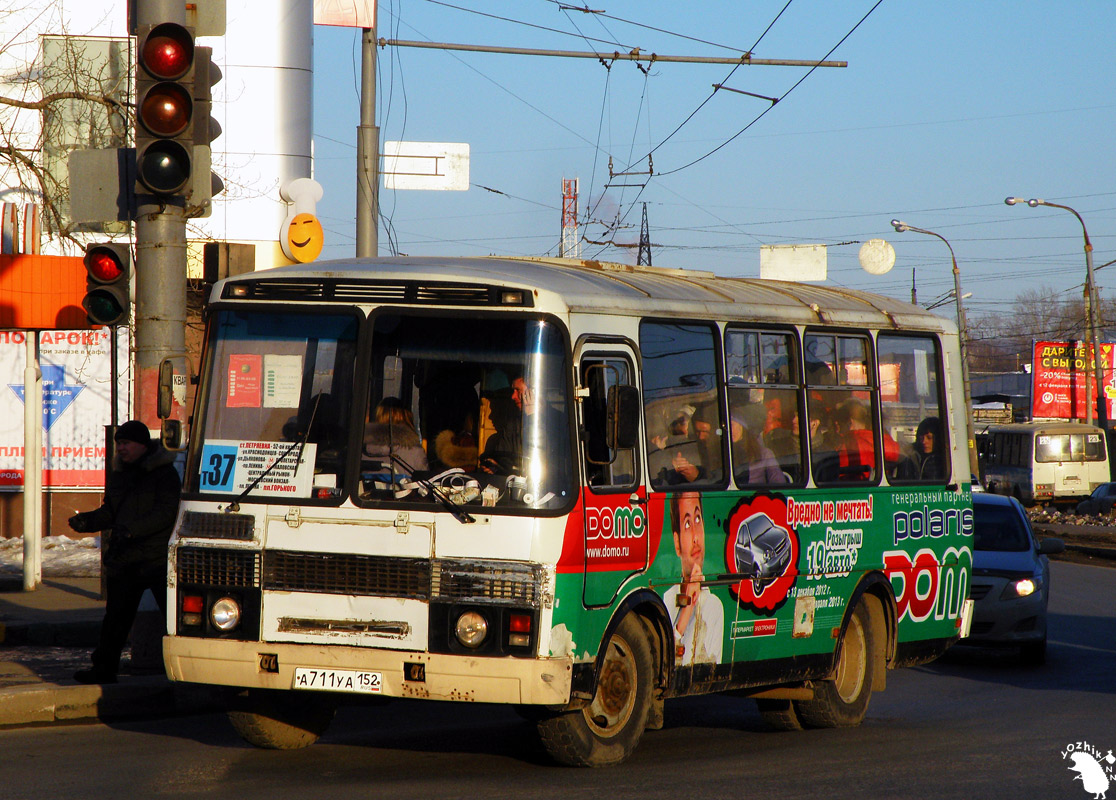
476 405
277 399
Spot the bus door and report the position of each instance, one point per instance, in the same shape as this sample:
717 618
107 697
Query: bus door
615 497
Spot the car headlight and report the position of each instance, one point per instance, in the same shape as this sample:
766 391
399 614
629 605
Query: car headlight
471 629
1023 587
225 614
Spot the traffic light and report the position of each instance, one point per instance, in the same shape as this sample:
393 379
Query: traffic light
205 183
107 275
165 110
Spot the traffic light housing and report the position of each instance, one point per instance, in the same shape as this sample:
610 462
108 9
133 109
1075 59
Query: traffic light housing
165 57
108 269
205 183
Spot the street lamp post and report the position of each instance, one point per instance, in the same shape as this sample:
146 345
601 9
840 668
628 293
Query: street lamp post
1093 307
963 336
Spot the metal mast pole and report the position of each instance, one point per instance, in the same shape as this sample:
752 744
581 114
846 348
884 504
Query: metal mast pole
160 267
368 152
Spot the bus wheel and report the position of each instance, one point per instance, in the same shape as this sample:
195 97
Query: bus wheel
842 701
779 714
280 720
607 730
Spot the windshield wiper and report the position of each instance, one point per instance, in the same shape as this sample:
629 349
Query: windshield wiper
299 442
459 513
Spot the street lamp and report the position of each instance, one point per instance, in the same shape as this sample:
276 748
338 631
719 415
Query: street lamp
1093 310
963 336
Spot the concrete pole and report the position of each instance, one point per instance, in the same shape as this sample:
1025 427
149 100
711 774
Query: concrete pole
368 154
32 465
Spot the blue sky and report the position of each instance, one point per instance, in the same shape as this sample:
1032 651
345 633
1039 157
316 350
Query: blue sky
945 108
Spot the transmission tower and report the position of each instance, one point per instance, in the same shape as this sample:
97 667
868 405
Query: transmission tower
571 240
644 258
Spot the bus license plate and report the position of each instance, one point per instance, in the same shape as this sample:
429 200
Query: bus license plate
338 680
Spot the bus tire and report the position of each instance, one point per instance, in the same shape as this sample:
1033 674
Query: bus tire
279 720
779 714
842 701
607 730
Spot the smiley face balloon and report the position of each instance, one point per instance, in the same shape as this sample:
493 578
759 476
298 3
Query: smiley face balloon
304 238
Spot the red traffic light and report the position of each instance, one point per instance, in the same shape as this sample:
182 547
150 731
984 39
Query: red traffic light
166 109
168 51
103 265
106 283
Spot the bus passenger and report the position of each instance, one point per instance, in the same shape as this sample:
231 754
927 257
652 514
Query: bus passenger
857 456
752 461
697 615
926 461
392 433
693 460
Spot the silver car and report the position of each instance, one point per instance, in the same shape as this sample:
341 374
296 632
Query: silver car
1011 578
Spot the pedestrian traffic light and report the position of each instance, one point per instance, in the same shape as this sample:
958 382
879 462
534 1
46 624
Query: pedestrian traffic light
164 109
107 275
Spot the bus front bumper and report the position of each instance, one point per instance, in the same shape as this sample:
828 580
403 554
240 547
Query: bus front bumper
263 665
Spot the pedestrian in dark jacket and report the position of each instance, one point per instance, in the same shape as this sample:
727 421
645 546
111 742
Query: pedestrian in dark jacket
139 510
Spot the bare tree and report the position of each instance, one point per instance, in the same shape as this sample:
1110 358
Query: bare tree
58 93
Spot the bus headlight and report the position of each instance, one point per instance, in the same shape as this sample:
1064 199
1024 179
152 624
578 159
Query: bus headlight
225 614
471 629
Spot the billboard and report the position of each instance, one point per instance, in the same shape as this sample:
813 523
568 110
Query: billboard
1058 373
76 370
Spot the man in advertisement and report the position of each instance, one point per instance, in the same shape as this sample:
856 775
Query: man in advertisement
697 615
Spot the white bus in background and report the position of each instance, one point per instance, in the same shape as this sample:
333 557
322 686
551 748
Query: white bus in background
1042 462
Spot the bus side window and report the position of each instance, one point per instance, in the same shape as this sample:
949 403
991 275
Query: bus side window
682 404
764 421
912 408
605 467
845 436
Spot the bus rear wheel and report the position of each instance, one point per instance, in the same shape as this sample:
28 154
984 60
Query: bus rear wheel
279 720
842 701
607 730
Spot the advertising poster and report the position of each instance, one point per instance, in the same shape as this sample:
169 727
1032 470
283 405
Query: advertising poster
76 369
1059 372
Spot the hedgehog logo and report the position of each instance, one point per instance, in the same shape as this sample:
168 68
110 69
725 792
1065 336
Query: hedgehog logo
1093 770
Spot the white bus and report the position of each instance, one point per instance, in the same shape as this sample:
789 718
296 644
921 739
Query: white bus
1041 462
575 487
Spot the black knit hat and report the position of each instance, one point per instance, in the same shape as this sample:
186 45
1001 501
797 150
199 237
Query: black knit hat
133 431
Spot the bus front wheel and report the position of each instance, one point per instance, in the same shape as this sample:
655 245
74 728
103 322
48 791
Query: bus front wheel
607 730
279 720
842 700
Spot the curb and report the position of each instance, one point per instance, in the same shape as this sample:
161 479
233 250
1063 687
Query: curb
150 696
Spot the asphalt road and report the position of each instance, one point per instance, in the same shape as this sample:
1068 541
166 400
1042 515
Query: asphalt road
973 725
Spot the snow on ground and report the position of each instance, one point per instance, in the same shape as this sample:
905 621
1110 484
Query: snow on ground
63 557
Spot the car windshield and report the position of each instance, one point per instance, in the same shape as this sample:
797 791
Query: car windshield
999 528
276 399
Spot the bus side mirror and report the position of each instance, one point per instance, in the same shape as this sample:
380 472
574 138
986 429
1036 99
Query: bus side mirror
623 417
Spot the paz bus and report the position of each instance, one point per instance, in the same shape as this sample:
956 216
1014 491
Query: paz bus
1042 462
599 487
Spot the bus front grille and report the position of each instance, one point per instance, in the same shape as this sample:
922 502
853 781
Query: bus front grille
499 582
202 525
492 581
345 573
207 566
